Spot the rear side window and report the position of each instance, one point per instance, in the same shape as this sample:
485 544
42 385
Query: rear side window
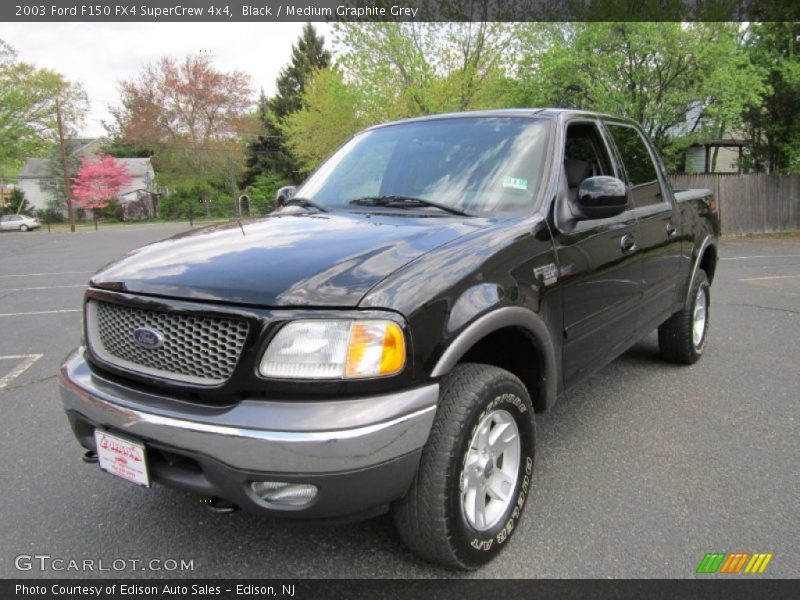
638 164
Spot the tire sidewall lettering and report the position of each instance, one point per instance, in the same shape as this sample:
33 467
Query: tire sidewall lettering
493 540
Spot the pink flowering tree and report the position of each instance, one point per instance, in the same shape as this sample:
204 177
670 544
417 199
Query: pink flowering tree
98 181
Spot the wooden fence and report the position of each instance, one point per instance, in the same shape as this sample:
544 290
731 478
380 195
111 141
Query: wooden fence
756 203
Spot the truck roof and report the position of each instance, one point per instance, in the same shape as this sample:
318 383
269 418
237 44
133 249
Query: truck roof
541 113
547 113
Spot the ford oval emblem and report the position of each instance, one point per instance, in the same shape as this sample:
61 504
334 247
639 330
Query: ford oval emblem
148 338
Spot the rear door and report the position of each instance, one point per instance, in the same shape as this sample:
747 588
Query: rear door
659 226
599 271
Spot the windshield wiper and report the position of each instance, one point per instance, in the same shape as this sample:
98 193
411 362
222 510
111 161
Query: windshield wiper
396 200
305 203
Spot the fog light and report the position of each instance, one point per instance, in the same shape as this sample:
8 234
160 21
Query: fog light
282 494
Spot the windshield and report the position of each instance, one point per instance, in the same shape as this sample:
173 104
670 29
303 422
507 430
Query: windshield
473 164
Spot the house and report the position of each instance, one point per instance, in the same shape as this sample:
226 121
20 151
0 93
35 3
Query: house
715 156
709 154
39 177
139 198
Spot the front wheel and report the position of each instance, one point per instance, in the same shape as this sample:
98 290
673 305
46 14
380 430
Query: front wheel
682 338
475 473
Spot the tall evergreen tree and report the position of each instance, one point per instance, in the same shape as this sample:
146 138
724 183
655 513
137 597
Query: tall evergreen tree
267 154
308 55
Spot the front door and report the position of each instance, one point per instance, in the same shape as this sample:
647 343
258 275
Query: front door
599 268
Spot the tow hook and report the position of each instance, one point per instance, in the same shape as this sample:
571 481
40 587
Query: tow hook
219 506
90 456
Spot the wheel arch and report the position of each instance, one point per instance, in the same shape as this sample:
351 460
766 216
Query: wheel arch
705 259
526 351
708 261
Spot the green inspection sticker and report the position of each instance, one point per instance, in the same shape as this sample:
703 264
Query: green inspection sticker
515 183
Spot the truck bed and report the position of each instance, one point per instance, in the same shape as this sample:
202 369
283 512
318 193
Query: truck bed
692 194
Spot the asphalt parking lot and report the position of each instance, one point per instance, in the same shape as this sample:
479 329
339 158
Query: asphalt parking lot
640 471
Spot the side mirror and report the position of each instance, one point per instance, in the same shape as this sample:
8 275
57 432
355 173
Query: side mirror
284 194
602 197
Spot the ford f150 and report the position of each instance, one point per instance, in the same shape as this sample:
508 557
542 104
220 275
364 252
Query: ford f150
383 339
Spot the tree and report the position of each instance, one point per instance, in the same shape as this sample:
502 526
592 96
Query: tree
17 204
331 115
654 73
27 108
267 154
388 71
115 145
308 55
262 192
773 126
99 181
410 69
192 116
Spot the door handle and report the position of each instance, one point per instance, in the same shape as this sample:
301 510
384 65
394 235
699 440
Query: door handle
672 231
628 244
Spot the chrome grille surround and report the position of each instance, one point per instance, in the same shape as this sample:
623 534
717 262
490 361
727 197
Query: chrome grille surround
196 349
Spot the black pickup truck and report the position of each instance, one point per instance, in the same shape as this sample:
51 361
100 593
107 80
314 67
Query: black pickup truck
383 340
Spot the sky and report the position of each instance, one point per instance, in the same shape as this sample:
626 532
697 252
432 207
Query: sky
102 54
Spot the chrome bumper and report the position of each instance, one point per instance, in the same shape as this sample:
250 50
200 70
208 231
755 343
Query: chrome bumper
258 435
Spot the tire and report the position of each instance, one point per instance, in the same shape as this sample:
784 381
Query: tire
23 228
438 519
678 339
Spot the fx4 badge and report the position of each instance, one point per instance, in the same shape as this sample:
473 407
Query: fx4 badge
547 274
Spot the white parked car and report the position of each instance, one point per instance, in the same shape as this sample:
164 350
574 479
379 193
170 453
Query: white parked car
18 223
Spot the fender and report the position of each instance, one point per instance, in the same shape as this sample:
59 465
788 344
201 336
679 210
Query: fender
509 316
707 241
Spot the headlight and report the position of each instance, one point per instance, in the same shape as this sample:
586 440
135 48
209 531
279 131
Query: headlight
335 349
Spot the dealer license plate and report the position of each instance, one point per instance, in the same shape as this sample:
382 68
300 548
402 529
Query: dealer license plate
122 457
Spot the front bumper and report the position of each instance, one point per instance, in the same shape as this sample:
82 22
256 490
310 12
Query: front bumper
361 453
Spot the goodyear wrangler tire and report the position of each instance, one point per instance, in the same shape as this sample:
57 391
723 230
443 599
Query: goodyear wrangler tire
682 337
475 472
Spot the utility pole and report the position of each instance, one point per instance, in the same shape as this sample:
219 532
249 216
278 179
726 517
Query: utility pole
67 192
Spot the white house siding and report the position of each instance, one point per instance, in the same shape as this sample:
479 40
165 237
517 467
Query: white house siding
696 160
727 159
34 194
141 172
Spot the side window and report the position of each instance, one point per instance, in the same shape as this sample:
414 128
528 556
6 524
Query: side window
638 164
584 155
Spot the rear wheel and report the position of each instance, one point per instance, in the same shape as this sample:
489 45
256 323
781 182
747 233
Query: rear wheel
23 228
475 473
682 337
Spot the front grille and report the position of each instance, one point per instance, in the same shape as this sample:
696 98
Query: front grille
194 349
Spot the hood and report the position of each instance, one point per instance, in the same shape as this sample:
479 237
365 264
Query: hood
289 259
